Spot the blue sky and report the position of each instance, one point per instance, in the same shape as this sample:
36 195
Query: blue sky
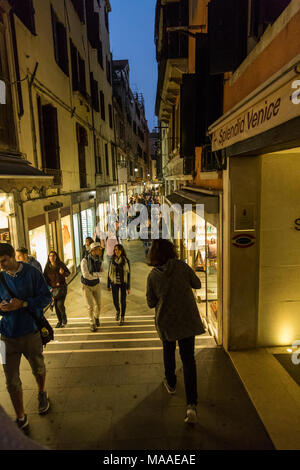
132 37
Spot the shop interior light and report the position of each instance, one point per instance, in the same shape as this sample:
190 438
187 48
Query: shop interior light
2 199
289 350
136 169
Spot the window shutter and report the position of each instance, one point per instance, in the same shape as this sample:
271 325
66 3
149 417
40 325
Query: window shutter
79 8
82 76
74 65
25 12
51 139
55 36
63 48
227 29
94 93
187 115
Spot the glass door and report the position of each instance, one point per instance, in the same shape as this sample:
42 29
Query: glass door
212 276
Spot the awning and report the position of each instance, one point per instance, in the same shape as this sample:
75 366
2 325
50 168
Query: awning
210 202
14 165
17 173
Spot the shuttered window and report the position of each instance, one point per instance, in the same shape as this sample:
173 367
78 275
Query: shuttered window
102 105
60 43
25 12
94 93
79 8
227 28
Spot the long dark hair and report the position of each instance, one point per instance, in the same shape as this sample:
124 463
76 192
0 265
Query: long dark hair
122 249
58 262
161 252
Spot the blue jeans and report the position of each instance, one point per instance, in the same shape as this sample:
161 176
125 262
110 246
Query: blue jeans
186 350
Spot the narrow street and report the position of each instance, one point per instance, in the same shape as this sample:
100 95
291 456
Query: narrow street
106 388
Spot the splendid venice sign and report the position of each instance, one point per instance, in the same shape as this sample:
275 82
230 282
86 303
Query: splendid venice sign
271 111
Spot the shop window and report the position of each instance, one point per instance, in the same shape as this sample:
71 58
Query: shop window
67 241
60 43
25 12
110 116
5 210
49 137
79 8
38 244
94 93
102 105
77 239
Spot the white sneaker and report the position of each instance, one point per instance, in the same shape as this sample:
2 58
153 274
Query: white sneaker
191 414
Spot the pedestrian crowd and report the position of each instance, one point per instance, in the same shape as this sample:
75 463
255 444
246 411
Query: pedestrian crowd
26 290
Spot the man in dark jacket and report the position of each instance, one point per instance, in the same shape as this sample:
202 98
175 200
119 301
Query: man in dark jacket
19 332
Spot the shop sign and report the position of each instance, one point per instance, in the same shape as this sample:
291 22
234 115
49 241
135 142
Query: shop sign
271 111
243 241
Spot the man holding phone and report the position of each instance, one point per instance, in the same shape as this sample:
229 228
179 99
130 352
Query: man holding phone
19 331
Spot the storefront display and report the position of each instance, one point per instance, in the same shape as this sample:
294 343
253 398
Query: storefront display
67 241
77 238
88 223
5 210
38 244
212 275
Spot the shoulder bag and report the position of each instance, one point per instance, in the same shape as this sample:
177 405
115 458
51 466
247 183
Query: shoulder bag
45 329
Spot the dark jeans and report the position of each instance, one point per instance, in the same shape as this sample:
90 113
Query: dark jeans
60 308
115 292
186 350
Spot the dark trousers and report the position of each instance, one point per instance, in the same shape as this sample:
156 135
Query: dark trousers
116 288
186 350
60 308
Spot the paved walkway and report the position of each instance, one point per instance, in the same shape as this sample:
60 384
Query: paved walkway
106 387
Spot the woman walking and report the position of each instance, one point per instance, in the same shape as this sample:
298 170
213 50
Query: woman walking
55 274
169 290
119 280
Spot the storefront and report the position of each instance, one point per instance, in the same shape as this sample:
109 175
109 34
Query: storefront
6 226
199 246
261 142
37 233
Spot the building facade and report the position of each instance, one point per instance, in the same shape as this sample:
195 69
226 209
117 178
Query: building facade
60 58
132 133
231 95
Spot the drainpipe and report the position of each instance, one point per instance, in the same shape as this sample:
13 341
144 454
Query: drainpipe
30 83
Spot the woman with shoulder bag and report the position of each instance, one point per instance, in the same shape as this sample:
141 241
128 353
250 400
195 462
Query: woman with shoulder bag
119 280
169 291
55 273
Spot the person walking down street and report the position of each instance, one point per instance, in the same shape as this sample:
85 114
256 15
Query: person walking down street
112 240
19 331
55 273
145 235
169 290
22 255
119 280
91 268
86 246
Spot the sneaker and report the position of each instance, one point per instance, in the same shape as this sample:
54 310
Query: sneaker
64 322
170 390
23 424
191 414
93 328
59 325
117 316
122 321
44 403
97 321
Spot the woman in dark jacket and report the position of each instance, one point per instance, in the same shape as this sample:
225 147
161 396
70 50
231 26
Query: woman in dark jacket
55 273
169 290
119 280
